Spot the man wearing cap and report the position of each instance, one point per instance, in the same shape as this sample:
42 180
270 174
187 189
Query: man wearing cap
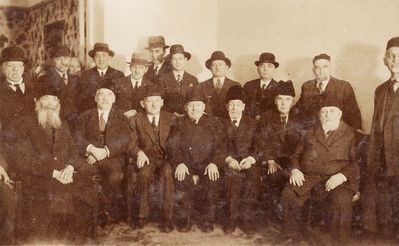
196 145
216 88
260 92
381 205
242 167
63 83
176 83
324 165
325 87
16 90
159 66
100 75
102 136
130 90
281 130
150 129
57 189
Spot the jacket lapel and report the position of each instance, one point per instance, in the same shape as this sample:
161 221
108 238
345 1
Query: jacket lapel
321 137
163 128
335 135
147 127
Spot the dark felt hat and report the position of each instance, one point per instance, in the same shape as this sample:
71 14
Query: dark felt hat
45 89
330 102
12 53
195 94
156 42
100 47
152 90
235 92
267 58
61 51
321 56
176 49
285 88
217 55
139 59
393 42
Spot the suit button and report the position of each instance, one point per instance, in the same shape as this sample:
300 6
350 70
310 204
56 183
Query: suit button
55 158
189 148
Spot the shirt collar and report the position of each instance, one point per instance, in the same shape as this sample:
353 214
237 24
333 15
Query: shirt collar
264 82
102 71
62 74
133 80
221 80
16 83
238 120
105 112
175 73
152 116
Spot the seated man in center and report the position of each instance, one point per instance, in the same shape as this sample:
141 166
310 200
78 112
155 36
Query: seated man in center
196 143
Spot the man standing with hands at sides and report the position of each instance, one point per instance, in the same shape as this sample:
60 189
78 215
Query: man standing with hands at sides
381 204
195 147
150 129
260 92
130 90
100 75
215 88
176 83
157 49
242 167
325 166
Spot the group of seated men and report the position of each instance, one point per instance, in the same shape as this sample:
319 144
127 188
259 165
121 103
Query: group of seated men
197 142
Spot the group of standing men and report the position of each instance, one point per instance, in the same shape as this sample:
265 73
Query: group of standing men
195 141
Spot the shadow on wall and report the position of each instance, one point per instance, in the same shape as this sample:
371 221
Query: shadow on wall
244 69
298 70
194 66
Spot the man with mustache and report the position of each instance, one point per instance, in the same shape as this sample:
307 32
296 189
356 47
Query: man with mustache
324 166
159 66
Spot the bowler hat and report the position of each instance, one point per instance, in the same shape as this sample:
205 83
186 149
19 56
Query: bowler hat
139 59
321 56
12 53
60 51
178 48
156 42
217 55
100 47
267 58
393 42
195 95
235 92
330 103
285 88
45 89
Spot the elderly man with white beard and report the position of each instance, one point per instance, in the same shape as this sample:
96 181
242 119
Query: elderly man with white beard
57 189
324 166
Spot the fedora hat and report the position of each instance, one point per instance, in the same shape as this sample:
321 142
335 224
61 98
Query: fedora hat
217 55
12 53
195 95
235 92
61 51
393 42
267 58
285 88
156 42
139 59
100 47
176 49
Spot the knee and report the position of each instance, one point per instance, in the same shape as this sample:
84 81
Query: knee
287 195
166 170
145 173
341 198
114 178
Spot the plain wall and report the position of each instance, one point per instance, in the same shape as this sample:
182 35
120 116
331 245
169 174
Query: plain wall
354 33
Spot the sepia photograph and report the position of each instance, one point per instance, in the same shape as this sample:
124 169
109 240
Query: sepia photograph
199 122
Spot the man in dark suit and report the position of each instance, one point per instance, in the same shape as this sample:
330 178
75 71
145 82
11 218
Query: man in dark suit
215 88
281 130
196 143
130 90
324 166
159 66
64 83
176 83
260 92
150 130
242 159
324 88
102 136
381 203
100 75
16 90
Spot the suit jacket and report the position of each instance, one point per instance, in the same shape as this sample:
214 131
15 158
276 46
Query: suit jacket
196 145
66 93
174 95
279 140
90 82
127 97
241 143
257 101
154 78
319 157
339 91
143 136
116 134
216 105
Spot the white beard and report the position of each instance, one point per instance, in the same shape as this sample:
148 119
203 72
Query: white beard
330 125
48 118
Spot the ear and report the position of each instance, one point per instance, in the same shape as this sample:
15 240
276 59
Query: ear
142 103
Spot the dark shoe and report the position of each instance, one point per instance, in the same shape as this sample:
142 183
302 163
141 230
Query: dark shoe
185 225
142 222
207 227
230 227
167 226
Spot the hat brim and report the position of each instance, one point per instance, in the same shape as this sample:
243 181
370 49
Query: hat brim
209 61
93 52
145 63
276 64
186 54
150 47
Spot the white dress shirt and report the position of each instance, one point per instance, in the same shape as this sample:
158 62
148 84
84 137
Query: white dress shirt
20 83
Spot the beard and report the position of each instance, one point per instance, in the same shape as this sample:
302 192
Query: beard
48 117
328 125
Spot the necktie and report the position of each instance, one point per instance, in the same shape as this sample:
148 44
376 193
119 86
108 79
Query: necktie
284 119
395 85
328 133
264 87
235 127
218 85
156 70
320 87
18 90
65 78
154 122
136 85
102 122
102 74
178 78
